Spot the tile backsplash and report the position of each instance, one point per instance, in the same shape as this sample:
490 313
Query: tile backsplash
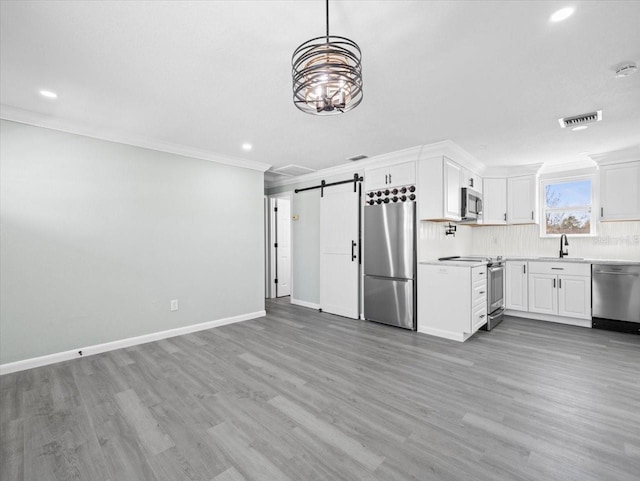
615 240
433 243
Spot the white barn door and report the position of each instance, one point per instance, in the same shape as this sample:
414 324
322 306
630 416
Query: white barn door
339 263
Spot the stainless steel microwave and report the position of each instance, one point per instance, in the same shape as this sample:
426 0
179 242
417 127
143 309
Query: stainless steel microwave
471 205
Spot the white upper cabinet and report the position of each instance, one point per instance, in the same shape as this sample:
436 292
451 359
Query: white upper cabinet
522 200
470 179
620 191
452 192
439 185
390 176
494 195
402 174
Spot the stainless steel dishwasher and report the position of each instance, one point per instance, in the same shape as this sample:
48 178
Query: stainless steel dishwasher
616 297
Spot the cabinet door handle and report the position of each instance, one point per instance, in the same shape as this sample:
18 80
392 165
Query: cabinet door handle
554 283
471 182
389 178
531 215
386 176
524 269
505 217
560 283
353 255
601 211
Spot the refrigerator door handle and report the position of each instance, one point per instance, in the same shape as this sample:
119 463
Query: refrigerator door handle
398 279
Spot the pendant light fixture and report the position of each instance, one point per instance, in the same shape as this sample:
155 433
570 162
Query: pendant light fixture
327 74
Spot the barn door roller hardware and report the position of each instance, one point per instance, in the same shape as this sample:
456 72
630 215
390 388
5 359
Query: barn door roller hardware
356 178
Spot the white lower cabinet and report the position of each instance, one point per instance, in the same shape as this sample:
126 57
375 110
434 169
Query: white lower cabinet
452 300
542 293
517 286
574 297
560 289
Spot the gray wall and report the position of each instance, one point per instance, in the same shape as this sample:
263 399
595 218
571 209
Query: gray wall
306 236
97 238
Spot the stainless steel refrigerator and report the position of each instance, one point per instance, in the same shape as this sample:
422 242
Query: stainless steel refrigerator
390 264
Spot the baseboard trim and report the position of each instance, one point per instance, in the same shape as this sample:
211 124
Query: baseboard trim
130 341
453 336
549 318
310 305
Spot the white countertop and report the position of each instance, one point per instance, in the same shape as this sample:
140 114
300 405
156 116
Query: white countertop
533 259
575 260
468 264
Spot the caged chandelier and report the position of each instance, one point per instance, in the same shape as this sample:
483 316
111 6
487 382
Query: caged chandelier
327 74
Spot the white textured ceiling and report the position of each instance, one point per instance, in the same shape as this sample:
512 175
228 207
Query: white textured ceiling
493 77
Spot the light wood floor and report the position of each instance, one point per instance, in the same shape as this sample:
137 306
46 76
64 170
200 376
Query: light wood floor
299 395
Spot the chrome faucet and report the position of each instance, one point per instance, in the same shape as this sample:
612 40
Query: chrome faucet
566 243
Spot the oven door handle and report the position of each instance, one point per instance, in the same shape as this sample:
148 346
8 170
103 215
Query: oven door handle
497 268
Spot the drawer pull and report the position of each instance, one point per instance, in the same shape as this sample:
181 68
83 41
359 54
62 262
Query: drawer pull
557 268
481 273
481 292
482 315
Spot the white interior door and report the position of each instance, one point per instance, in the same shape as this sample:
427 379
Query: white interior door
339 263
283 251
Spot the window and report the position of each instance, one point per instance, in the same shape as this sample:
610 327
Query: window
567 207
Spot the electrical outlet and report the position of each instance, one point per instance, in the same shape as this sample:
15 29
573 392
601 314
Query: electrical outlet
174 304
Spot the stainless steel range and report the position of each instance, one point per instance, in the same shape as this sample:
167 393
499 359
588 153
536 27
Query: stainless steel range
495 287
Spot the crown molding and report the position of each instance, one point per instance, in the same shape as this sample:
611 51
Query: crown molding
54 123
617 156
513 170
398 156
449 148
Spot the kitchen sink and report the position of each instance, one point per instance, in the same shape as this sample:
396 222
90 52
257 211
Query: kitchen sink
562 258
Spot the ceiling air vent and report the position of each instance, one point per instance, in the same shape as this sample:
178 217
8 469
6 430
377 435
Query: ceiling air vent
358 157
292 170
583 119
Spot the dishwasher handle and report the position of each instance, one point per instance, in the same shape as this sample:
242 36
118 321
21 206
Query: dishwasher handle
618 273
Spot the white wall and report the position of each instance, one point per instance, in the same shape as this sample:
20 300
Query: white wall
97 238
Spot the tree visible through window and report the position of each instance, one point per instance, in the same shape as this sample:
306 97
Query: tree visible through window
567 207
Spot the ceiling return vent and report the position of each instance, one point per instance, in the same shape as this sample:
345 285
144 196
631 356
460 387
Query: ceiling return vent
583 119
292 170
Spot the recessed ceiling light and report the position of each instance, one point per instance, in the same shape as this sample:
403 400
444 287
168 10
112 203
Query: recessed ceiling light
247 146
49 94
562 14
626 70
580 127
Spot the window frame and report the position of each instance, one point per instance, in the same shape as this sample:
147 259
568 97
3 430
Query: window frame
560 179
